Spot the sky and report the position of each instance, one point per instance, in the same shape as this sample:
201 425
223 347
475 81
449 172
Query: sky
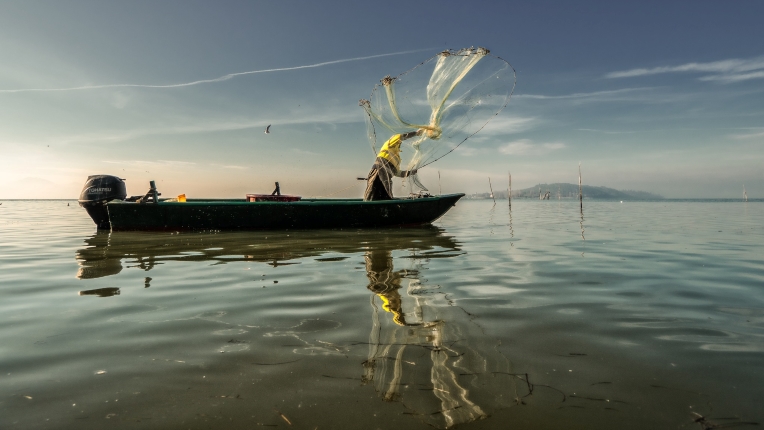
665 97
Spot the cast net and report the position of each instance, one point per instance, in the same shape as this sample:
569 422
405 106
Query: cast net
451 97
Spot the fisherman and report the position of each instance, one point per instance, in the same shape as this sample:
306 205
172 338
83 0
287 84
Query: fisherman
379 185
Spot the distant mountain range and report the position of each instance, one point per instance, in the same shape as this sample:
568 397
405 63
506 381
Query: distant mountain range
570 191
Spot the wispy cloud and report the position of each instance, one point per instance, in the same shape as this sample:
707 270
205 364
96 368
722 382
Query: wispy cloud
304 152
599 95
107 136
726 71
508 125
466 151
231 166
749 135
730 78
213 80
151 163
594 130
528 147
663 130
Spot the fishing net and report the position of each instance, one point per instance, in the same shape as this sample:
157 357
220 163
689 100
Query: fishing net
450 97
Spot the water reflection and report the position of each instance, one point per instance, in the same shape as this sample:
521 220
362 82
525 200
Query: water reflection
511 229
385 282
107 253
100 292
424 350
427 353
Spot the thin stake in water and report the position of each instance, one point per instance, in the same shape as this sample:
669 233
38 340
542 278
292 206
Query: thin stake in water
491 187
580 193
581 200
509 192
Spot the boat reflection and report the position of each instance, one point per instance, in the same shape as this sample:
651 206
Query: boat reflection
107 253
100 292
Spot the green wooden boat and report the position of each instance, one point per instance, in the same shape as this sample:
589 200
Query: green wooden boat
304 214
105 200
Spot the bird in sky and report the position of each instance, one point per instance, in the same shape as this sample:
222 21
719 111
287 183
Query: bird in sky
268 129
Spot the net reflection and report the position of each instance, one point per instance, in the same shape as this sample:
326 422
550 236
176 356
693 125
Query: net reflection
427 353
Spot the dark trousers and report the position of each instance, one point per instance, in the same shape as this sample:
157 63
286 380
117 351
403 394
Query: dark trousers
376 191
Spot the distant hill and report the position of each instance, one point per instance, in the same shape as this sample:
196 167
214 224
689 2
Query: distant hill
570 191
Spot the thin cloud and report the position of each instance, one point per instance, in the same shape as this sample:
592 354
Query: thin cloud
726 71
304 152
592 95
231 166
727 79
218 79
331 117
466 151
508 125
594 130
749 136
662 130
120 136
528 147
150 163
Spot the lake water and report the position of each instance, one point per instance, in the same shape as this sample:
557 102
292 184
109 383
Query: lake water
638 315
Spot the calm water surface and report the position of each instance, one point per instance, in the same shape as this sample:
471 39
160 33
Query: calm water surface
639 315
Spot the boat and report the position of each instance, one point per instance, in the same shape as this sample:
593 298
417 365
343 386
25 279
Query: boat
105 199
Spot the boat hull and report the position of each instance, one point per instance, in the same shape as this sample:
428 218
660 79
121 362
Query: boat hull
304 214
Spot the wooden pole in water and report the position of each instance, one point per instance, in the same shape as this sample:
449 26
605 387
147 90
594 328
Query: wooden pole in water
580 192
745 195
491 187
440 191
509 192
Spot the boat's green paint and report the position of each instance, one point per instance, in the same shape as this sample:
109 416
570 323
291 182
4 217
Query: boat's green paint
210 214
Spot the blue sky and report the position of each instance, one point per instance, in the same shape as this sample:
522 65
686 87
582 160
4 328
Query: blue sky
665 97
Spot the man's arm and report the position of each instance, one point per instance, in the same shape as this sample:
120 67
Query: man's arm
411 134
406 173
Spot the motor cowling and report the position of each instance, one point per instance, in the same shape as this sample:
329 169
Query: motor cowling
97 191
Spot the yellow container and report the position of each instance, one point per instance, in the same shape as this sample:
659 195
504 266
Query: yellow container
182 198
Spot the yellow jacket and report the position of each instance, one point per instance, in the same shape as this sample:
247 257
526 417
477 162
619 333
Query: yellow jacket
391 151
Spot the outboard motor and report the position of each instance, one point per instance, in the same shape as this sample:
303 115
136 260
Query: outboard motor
99 190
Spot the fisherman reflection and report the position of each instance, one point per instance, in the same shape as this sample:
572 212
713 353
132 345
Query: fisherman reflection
385 282
422 362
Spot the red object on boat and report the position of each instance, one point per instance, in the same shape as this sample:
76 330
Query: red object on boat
272 198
